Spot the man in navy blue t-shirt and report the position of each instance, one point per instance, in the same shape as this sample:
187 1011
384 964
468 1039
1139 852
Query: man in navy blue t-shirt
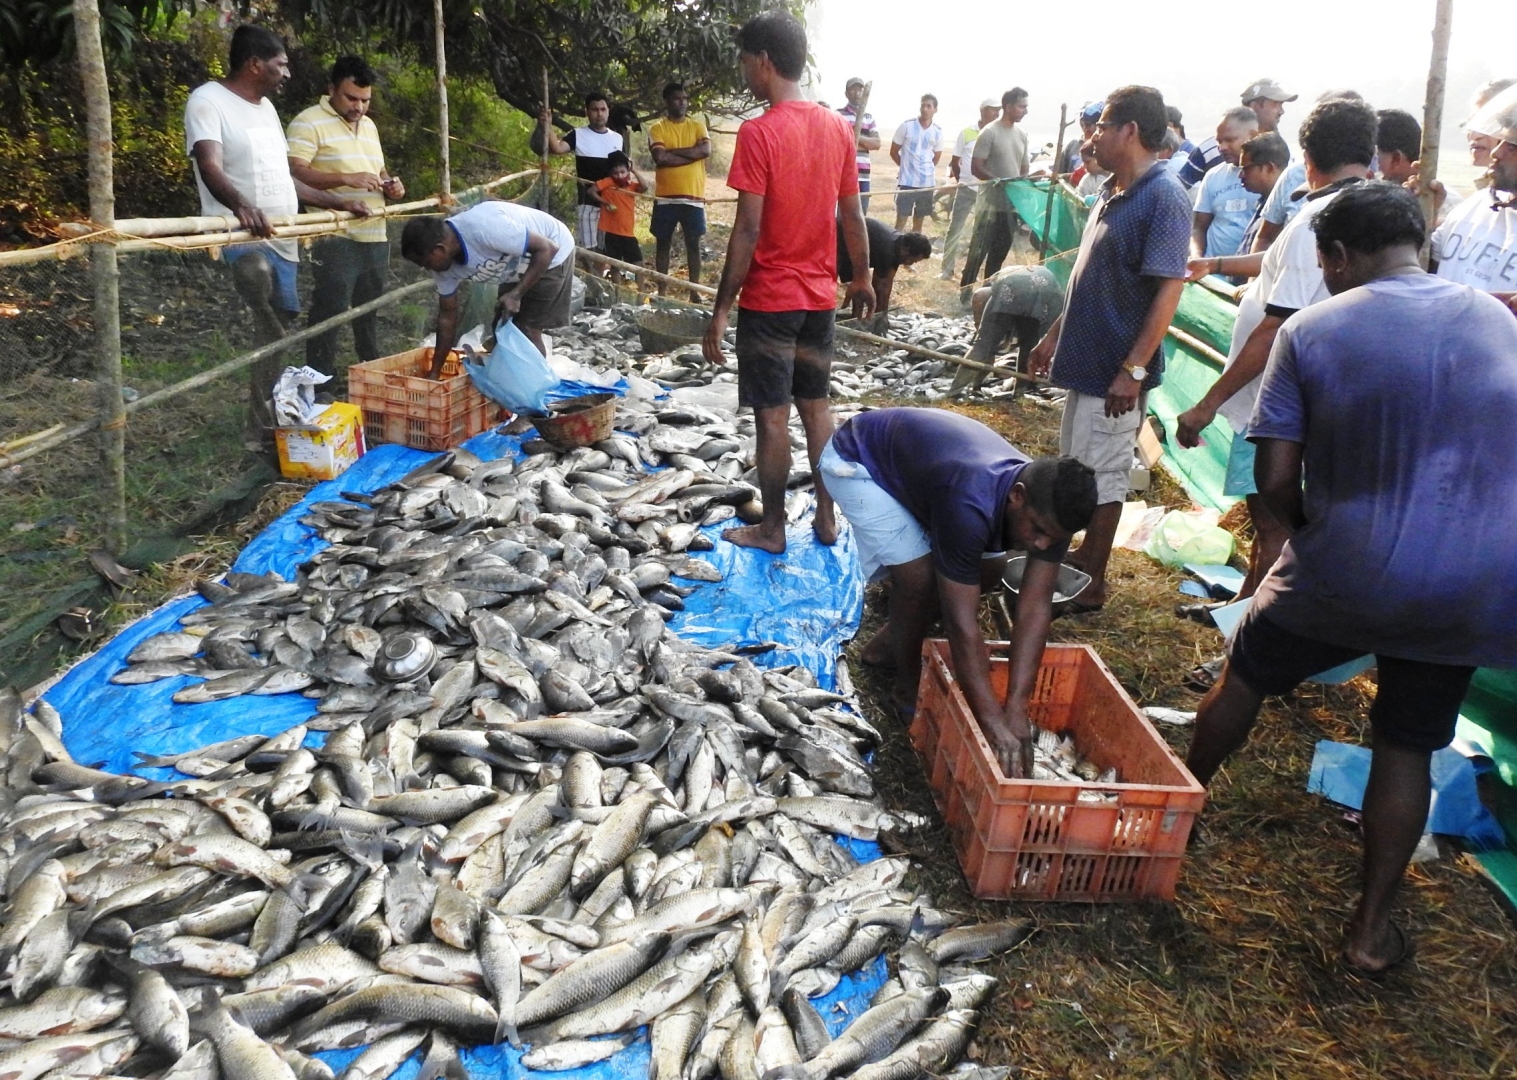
1124 288
939 499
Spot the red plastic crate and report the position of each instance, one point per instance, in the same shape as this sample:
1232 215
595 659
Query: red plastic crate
401 405
1035 839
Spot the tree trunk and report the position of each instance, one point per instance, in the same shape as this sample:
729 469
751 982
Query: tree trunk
1432 111
104 273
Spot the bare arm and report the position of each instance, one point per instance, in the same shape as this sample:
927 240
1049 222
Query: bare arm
540 253
447 331
895 152
740 248
1251 361
1122 396
545 134
953 168
1199 224
1231 265
978 167
1041 357
208 159
868 140
860 293
936 155
1277 472
1029 636
883 283
666 158
326 181
1268 230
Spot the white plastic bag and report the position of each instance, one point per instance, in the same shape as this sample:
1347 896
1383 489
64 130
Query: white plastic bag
514 373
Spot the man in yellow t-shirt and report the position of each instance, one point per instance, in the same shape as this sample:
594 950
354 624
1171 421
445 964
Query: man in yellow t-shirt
680 146
334 146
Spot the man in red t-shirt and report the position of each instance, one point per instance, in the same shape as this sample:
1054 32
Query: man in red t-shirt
796 177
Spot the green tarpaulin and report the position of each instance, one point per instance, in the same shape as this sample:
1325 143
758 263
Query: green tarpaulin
1489 715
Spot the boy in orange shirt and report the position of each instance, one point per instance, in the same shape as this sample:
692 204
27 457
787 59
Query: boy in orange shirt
619 209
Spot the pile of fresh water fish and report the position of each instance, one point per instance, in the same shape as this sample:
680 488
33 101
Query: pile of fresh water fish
606 340
544 820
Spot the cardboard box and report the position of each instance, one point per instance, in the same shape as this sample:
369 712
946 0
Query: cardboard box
323 450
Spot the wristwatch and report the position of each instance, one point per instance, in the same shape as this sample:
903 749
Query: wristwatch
1138 372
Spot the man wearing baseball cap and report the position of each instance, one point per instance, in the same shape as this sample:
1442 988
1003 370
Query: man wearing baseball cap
960 170
1267 98
1069 158
869 134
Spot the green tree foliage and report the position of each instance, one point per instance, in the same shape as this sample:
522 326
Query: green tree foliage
41 31
626 48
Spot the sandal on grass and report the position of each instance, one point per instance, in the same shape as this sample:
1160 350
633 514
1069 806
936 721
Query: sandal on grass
1203 677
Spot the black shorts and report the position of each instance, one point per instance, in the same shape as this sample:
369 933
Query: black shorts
914 202
1416 705
546 304
669 216
625 248
782 356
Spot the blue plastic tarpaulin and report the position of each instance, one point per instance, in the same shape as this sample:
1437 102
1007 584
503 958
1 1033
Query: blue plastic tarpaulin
807 602
1341 771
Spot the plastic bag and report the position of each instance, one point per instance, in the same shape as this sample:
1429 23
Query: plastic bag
514 373
1189 536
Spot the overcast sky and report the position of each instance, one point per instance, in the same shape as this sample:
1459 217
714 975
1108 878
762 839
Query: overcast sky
1201 55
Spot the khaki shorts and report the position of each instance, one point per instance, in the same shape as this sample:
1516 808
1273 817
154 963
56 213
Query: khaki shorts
1105 443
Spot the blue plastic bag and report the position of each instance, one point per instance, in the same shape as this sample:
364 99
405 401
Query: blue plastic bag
514 373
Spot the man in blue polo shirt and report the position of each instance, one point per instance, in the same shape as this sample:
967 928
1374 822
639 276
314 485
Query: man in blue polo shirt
1124 288
939 499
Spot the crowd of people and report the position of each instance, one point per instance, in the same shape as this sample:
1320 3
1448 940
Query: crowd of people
1370 400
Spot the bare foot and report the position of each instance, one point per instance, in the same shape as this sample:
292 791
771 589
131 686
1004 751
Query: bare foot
825 524
1090 598
878 652
754 536
1375 954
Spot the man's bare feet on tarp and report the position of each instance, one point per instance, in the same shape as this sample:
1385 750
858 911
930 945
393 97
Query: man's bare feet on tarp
825 524
754 536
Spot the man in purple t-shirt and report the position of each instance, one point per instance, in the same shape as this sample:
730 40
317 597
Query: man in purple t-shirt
1396 400
939 499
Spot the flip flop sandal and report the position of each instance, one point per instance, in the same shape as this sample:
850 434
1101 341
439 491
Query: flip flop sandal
1405 950
1203 677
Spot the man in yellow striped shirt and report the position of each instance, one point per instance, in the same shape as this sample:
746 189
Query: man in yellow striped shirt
334 146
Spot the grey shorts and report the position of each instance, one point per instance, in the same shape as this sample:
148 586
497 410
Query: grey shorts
546 304
1105 443
914 202
782 356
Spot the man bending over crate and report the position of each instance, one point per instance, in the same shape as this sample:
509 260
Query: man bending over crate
528 252
940 499
1395 399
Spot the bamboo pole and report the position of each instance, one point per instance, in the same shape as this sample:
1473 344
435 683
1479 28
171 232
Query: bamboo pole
1195 344
232 366
1432 110
545 195
218 230
1053 182
858 114
445 182
846 331
104 273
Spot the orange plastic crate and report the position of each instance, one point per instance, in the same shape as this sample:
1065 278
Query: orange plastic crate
1035 839
401 405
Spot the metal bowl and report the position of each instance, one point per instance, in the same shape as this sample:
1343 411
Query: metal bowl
1069 585
405 657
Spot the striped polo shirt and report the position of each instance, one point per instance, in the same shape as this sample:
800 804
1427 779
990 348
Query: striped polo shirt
322 139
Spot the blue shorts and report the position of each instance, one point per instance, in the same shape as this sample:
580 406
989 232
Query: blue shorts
667 215
886 532
285 297
1240 468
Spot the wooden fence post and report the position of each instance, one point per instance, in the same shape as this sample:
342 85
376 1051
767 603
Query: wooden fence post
445 182
104 273
1053 184
1432 110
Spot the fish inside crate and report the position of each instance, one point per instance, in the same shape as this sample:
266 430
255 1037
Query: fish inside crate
1057 835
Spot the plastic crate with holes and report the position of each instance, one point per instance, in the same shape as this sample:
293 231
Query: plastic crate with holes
1054 839
401 404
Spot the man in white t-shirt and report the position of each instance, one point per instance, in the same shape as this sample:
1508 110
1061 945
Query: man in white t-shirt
916 148
527 252
961 169
1476 244
1338 143
236 141
592 147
